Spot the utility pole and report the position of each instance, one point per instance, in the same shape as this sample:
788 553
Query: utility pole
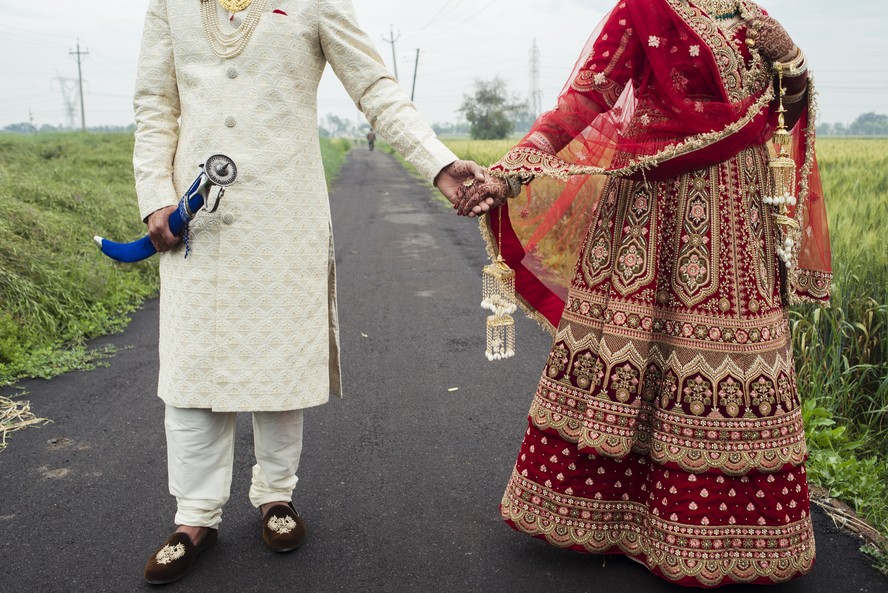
535 102
79 54
415 70
31 120
392 39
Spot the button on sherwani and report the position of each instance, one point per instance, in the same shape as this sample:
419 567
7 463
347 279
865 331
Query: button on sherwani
248 321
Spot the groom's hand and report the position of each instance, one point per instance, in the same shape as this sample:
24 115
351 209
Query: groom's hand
455 177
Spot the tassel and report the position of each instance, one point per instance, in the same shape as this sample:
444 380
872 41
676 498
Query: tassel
498 297
783 183
500 337
498 288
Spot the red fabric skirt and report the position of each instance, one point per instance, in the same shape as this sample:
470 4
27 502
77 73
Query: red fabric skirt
667 425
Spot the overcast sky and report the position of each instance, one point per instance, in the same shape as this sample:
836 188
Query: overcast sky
460 41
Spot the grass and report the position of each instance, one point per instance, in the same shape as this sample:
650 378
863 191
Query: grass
56 290
841 352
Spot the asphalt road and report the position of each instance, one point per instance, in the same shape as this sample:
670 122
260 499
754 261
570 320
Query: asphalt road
399 482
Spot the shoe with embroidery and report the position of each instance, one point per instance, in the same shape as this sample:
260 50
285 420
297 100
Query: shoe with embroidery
174 558
283 529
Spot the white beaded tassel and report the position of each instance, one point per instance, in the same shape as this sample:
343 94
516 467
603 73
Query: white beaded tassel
500 337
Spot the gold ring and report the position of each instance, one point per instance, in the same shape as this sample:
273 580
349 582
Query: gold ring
469 182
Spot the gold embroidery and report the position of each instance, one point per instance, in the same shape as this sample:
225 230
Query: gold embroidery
815 285
527 163
739 81
169 554
595 262
752 180
710 554
602 82
685 408
281 525
635 264
697 240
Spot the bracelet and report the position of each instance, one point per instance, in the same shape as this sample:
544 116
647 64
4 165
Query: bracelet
514 186
795 67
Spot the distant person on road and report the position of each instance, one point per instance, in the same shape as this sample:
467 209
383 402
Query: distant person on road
667 425
371 139
248 323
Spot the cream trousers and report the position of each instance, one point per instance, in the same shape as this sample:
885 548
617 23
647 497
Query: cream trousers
200 455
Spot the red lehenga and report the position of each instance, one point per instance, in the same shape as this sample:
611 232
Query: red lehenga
667 424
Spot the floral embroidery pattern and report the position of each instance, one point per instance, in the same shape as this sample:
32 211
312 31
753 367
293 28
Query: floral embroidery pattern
169 554
696 275
634 266
281 525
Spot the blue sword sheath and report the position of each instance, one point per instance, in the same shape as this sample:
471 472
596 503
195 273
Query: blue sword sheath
193 200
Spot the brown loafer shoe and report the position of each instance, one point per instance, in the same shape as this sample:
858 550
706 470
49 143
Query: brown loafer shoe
172 560
283 529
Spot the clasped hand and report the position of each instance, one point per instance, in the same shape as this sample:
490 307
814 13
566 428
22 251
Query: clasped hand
470 188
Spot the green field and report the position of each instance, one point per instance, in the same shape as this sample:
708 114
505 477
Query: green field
841 352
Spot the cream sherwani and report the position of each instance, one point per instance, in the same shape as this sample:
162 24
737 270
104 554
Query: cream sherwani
248 322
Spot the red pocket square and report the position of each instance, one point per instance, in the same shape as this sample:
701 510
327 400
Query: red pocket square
279 12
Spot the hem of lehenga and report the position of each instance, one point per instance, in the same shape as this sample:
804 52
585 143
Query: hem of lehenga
684 554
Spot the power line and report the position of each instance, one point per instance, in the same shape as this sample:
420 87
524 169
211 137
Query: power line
442 12
468 20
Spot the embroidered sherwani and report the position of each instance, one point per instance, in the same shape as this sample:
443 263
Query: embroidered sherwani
248 321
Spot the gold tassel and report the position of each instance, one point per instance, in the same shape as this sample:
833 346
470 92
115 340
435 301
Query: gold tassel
498 297
783 181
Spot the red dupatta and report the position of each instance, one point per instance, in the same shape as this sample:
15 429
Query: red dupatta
659 90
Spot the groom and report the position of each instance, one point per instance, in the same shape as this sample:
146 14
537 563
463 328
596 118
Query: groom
248 323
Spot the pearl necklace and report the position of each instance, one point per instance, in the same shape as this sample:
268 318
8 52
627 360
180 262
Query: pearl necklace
230 45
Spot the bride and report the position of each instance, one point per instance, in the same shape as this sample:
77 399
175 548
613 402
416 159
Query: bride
667 424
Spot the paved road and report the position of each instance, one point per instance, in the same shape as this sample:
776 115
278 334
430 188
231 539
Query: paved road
399 482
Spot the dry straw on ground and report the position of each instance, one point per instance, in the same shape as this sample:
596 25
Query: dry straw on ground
15 415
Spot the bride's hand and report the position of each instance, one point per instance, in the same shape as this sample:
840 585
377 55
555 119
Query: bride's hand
772 40
480 198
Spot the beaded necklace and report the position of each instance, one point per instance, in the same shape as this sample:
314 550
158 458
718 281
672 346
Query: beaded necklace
230 45
719 9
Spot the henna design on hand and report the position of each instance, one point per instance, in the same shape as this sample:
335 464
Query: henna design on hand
495 189
772 40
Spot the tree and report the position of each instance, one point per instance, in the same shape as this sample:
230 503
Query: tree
490 110
870 124
337 127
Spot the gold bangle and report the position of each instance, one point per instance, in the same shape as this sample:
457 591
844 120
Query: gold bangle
794 67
